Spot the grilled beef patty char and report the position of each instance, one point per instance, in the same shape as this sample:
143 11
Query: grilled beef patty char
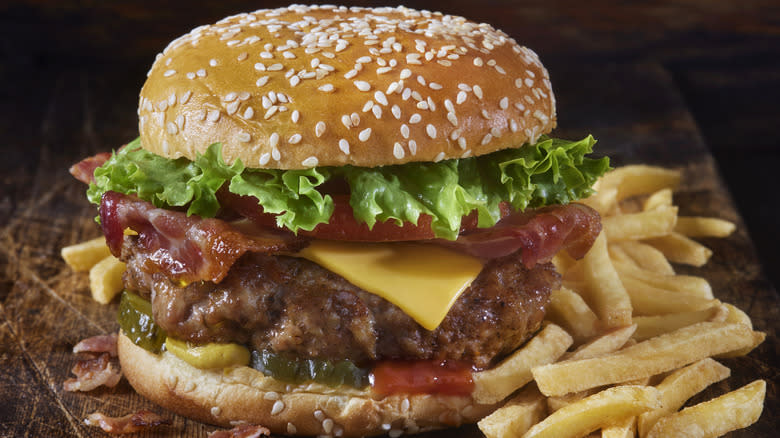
291 305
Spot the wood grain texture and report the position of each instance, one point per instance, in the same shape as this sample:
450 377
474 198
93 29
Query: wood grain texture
617 71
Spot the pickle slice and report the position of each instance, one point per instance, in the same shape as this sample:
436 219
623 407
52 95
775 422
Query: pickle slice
207 356
327 372
135 320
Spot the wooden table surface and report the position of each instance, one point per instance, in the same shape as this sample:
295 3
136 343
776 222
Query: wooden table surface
692 84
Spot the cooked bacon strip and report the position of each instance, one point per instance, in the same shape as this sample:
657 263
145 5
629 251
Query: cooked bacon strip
131 423
93 372
97 344
241 431
539 234
186 248
84 170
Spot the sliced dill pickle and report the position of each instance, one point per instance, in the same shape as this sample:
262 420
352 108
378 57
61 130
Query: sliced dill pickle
327 372
207 356
135 320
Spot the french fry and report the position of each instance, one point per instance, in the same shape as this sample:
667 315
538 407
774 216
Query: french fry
652 326
679 386
619 256
83 256
622 429
716 417
736 316
704 227
649 300
555 403
680 283
648 358
644 225
605 291
570 311
105 279
514 372
598 410
604 201
646 257
680 249
516 416
661 198
606 343
639 179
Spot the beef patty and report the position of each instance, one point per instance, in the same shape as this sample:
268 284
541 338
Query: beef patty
291 305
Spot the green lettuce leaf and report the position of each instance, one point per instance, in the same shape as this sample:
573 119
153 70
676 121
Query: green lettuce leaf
552 171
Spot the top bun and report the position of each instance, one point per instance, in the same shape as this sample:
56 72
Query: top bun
302 86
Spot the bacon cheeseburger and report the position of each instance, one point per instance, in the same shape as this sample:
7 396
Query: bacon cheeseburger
334 216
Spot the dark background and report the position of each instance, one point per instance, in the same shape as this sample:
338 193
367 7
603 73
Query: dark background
690 84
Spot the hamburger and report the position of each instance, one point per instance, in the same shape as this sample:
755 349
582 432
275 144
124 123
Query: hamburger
333 216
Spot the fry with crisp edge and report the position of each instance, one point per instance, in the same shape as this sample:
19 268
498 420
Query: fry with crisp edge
569 310
681 385
651 326
622 429
680 249
646 256
694 226
605 291
661 198
648 358
598 410
639 179
606 343
680 283
644 225
105 279
516 416
83 256
649 300
716 417
514 372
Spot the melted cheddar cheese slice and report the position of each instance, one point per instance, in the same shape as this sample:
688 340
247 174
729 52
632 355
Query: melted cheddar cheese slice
423 280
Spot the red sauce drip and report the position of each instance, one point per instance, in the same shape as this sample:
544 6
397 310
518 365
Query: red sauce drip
446 377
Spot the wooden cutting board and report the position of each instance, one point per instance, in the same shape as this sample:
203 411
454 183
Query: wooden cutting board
634 111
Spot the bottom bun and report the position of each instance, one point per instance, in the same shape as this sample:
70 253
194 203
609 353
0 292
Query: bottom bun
231 396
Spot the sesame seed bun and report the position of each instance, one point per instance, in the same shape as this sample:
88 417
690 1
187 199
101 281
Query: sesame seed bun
231 396
313 86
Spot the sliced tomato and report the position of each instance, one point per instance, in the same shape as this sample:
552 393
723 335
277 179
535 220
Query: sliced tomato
422 377
343 225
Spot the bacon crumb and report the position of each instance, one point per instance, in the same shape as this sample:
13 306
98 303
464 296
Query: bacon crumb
241 431
93 372
131 423
98 344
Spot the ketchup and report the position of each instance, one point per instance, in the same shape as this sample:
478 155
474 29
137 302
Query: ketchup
446 377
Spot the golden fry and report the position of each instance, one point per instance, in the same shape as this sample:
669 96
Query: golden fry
646 257
639 180
649 300
604 344
83 256
652 326
570 311
661 198
680 249
516 416
105 279
605 291
704 227
643 225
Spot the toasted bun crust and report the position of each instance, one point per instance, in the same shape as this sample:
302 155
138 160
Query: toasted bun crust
228 397
302 86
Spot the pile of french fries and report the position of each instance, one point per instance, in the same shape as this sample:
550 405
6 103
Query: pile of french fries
626 341
632 340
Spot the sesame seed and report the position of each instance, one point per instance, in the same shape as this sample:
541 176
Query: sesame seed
462 142
319 129
421 80
172 99
478 91
529 82
259 66
362 85
513 125
416 118
431 131
435 86
386 426
271 395
244 137
519 82
413 147
431 104
244 95
271 111
449 106
262 81
279 405
519 106
327 425
273 140
241 56
275 154
162 105
377 110
346 121
355 118
396 110
503 103
464 87
190 75
294 139
291 429
232 107
380 97
363 60
172 129
169 73
275 67
180 121
405 73
439 157
406 93
541 116
319 415
528 99
422 105
485 114
350 74
478 62
413 58
461 97
295 116
405 405
295 80
495 132
289 55
452 118
327 88
364 134
500 70
368 105
398 151
213 116
486 139
444 62
383 70
405 131
344 146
